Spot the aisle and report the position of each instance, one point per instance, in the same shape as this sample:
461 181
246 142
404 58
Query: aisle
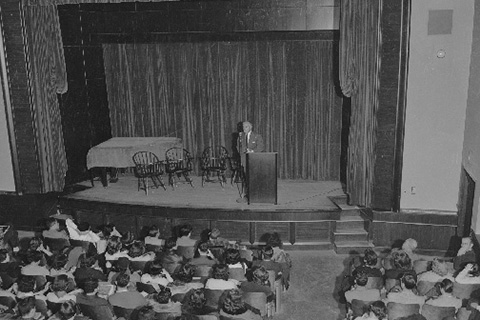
312 294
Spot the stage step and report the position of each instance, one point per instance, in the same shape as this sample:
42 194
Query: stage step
345 235
350 247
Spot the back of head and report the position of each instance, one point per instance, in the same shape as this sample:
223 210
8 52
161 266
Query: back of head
123 280
370 257
220 271
163 296
170 243
233 302
232 256
196 298
401 260
89 285
114 245
379 309
203 247
34 256
83 226
50 222
439 267
267 252
60 283
184 273
446 285
274 240
155 268
146 313
184 230
409 245
26 284
26 305
361 278
215 233
137 249
58 261
409 280
87 261
475 271
154 231
260 276
67 310
34 243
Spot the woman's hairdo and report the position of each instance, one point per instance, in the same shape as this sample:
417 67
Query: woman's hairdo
220 271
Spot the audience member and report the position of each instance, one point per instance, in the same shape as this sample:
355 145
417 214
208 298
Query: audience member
125 298
359 291
194 303
137 252
156 275
171 260
53 230
446 298
406 295
89 269
68 311
469 274
153 237
81 232
376 311
220 279
203 256
162 303
59 289
465 254
90 299
184 234
258 281
233 306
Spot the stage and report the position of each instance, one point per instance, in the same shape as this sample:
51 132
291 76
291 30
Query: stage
306 211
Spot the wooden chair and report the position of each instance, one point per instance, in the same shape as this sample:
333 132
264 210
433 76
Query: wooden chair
463 291
148 166
237 274
359 307
374 283
203 271
214 162
186 251
398 310
276 285
424 286
258 300
178 163
437 313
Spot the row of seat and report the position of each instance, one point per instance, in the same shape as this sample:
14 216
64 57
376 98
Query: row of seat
179 163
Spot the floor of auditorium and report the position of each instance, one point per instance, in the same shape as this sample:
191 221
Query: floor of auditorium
292 194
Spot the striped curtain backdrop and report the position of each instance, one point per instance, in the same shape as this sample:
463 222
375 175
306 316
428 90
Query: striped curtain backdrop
360 41
201 91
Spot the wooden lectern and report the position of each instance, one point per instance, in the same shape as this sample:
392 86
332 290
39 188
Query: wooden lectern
261 173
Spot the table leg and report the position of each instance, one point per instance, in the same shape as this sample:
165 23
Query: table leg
103 177
113 175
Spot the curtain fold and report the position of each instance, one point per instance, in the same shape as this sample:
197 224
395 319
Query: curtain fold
201 91
360 42
47 78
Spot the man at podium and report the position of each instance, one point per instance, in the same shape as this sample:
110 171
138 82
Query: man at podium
248 142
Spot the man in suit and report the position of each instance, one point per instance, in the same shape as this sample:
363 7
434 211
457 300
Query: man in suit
248 142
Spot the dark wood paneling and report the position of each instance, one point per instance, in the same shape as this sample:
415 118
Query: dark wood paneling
313 231
234 230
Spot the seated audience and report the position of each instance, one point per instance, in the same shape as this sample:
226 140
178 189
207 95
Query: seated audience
114 249
27 309
236 264
82 232
68 311
162 303
280 256
34 266
401 264
53 230
257 282
369 263
233 306
90 299
203 256
156 275
125 298
183 280
446 298
194 303
59 289
359 291
137 252
153 237
406 294
267 263
89 269
184 234
376 311
438 273
220 279
170 259
469 274
465 254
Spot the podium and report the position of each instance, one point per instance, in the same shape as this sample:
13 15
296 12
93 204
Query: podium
261 174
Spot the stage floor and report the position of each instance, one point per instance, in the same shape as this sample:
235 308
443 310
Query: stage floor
292 194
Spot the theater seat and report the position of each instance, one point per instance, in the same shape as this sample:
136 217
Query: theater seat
399 310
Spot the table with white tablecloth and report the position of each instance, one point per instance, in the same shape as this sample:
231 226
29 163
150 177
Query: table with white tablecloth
118 152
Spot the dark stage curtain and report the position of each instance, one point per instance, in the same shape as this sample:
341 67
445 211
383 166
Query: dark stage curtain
47 77
200 92
360 41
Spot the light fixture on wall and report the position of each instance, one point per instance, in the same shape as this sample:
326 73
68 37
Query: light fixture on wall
441 53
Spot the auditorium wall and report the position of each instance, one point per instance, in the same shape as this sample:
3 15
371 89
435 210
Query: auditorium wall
438 75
